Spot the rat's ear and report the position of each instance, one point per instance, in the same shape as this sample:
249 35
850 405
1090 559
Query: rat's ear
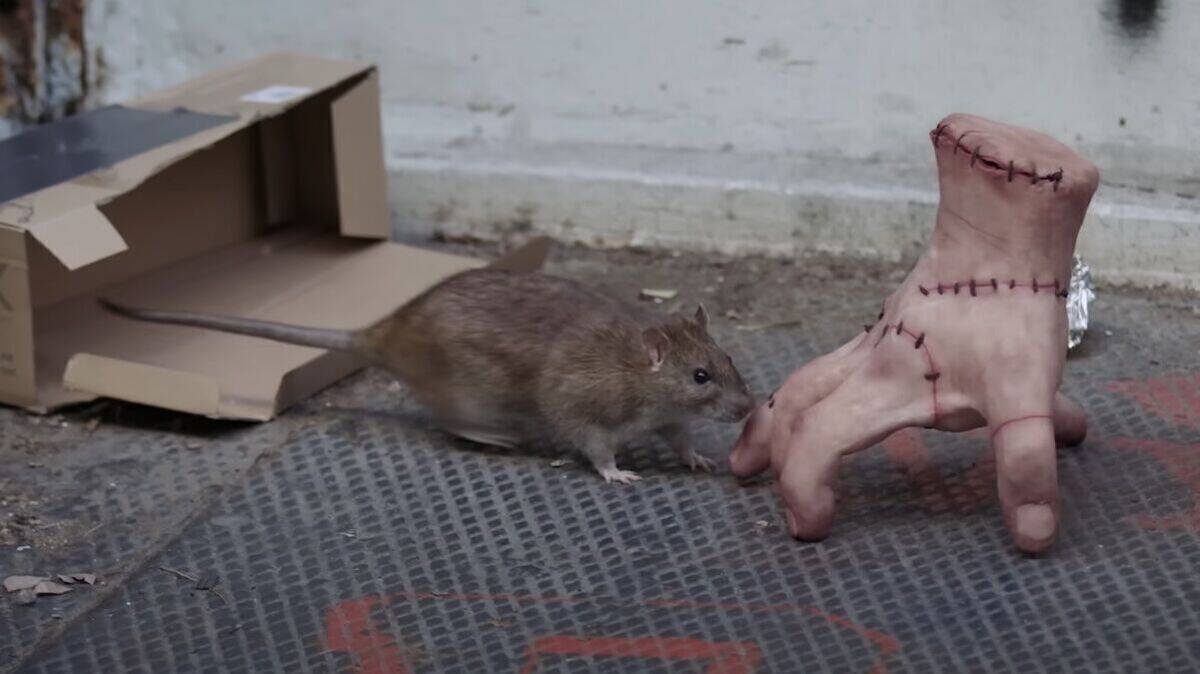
702 316
655 341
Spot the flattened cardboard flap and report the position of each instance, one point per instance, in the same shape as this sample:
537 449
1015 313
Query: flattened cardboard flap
145 384
79 237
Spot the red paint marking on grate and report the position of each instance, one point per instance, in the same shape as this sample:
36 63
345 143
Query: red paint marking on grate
1174 399
1182 461
348 629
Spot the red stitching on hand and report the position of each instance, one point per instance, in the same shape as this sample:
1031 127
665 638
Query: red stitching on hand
996 164
933 374
973 286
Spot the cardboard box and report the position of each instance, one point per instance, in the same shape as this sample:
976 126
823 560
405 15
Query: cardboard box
258 190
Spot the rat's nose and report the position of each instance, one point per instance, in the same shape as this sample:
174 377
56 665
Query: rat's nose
745 408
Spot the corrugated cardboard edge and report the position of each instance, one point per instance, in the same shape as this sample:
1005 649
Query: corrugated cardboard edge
146 384
18 381
358 161
329 367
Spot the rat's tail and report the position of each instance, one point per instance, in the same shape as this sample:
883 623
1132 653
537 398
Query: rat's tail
323 338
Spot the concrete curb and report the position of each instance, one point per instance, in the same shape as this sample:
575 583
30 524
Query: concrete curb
754 205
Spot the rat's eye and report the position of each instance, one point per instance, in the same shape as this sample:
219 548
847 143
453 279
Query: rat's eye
701 376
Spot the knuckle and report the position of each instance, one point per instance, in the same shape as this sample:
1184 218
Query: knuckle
1025 463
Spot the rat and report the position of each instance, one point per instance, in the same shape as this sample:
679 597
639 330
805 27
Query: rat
507 358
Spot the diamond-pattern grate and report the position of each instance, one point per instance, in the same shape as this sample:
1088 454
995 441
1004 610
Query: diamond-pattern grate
370 541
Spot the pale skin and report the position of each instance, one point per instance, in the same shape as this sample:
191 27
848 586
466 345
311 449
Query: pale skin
973 337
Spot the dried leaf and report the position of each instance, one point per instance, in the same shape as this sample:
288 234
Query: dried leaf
17 583
51 587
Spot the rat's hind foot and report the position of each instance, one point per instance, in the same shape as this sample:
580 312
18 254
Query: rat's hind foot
613 474
679 438
597 447
699 462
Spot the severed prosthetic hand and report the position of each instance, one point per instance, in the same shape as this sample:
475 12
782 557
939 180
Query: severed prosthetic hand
974 336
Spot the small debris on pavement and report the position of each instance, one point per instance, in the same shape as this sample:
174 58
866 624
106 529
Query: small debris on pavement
180 574
394 387
658 295
558 463
25 589
51 587
762 524
732 314
74 578
92 424
206 582
500 622
15 583
192 444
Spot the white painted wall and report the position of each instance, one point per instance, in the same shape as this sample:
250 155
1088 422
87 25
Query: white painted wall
771 98
860 78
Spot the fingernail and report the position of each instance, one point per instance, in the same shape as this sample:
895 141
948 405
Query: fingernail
1035 522
791 521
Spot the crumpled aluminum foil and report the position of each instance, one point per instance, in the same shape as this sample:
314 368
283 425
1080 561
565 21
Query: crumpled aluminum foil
1079 295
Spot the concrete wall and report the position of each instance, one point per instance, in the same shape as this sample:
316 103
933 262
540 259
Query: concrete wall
736 125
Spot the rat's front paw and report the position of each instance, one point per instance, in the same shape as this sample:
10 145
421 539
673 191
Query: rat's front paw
614 474
699 462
